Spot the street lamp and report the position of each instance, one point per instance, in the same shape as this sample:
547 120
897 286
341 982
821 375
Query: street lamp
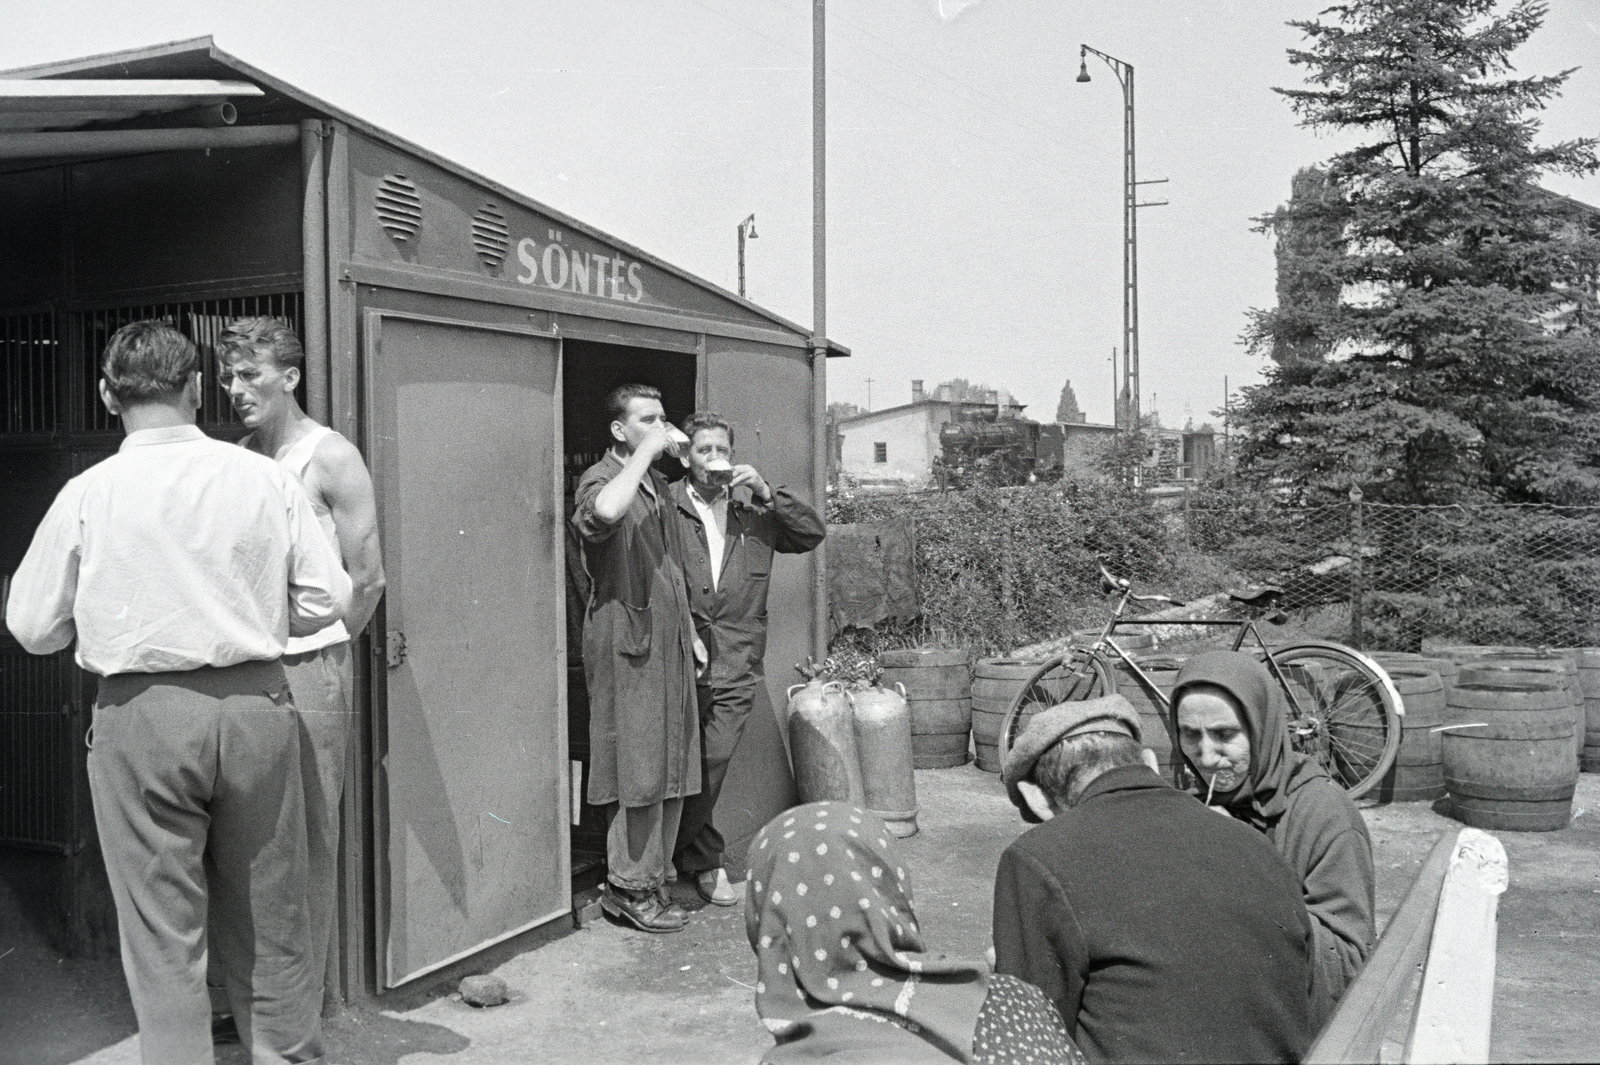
1130 229
747 228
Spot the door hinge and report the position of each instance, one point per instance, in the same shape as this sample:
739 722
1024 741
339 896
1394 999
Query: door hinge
396 648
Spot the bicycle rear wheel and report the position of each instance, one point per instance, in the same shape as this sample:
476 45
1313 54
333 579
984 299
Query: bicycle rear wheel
1343 711
1077 675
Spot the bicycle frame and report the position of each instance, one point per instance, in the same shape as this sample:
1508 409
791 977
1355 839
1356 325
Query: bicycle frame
1246 626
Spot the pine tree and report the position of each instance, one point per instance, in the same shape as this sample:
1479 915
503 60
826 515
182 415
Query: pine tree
1067 411
1308 241
1460 359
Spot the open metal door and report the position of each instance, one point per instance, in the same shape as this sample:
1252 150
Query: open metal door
471 784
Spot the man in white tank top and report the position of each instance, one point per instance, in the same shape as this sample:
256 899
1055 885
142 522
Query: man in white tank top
260 363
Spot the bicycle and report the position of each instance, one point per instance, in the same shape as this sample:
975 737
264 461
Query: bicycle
1344 710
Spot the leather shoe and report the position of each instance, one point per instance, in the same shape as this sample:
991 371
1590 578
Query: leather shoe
714 887
646 911
224 1031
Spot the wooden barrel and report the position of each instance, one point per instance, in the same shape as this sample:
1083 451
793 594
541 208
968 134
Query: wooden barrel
1458 651
1131 640
1508 755
1418 771
995 683
1587 661
1154 726
939 692
1535 667
1443 665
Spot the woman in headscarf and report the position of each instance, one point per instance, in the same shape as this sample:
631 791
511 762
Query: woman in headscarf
1233 729
842 972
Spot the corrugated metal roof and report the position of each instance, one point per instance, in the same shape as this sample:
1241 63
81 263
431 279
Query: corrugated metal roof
280 102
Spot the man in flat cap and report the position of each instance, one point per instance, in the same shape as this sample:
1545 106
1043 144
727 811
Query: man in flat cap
1161 931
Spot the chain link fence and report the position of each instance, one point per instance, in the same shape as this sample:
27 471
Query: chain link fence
998 569
1487 574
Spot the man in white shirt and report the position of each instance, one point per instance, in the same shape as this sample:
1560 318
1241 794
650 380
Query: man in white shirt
259 362
730 521
181 565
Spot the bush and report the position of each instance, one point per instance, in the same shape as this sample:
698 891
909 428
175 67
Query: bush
998 568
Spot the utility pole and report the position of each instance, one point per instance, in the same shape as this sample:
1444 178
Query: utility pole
819 316
1130 226
1227 438
869 395
1116 397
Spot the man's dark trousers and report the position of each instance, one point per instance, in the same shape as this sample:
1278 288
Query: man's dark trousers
723 713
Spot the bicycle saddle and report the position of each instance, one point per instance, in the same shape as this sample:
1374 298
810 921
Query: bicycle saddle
1261 596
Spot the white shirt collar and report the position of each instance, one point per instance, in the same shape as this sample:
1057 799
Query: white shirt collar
172 434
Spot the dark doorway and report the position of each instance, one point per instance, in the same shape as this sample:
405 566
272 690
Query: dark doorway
590 370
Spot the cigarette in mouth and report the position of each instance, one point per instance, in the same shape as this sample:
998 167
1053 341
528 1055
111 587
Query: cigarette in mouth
1211 789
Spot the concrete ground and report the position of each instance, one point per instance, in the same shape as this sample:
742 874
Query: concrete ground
610 994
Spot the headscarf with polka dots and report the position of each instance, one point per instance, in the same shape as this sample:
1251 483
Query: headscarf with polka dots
828 911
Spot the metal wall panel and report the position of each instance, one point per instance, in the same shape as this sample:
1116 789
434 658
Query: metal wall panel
406 211
31 248
464 432
184 220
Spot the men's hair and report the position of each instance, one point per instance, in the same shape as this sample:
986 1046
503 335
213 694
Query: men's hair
617 401
263 338
705 419
148 361
1068 767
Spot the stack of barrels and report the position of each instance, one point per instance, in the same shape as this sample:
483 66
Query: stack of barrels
1418 771
1508 739
1588 663
1154 726
996 682
938 689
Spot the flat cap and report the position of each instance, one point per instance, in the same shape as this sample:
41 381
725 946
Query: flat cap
1109 713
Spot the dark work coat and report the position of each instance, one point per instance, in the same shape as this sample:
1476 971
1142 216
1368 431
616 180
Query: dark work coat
731 618
1161 930
638 649
1315 826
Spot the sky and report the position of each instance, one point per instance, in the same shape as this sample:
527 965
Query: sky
974 187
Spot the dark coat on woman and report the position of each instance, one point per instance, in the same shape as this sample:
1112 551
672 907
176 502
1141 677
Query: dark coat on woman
638 647
1162 931
1310 820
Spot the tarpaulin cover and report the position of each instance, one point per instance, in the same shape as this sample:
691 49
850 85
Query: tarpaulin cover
872 573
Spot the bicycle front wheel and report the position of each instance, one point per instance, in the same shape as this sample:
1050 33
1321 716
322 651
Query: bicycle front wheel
1343 711
1073 677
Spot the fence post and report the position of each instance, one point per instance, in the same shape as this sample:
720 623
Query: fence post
1008 564
1358 582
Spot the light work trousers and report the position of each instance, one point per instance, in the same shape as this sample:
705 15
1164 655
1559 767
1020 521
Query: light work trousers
639 843
198 799
319 682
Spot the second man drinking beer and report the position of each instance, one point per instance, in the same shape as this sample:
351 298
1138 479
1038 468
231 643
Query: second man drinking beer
730 521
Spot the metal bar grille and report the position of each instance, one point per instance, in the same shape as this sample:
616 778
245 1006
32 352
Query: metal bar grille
202 321
37 733
29 364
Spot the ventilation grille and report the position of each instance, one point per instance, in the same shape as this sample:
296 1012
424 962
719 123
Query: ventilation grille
491 236
399 207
